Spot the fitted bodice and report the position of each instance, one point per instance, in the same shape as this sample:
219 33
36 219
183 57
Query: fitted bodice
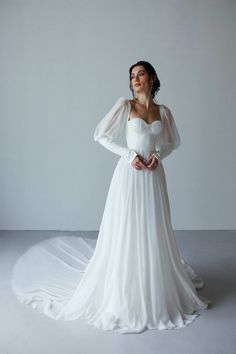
141 136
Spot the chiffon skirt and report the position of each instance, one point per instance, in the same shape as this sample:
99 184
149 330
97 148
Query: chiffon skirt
131 278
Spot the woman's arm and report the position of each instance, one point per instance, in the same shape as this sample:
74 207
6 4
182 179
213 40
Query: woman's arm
118 149
169 139
112 127
161 153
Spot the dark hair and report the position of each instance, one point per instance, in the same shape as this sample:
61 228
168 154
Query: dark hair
151 71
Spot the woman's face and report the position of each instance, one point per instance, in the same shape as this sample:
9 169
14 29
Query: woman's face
140 80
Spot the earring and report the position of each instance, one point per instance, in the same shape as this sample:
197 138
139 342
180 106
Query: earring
152 87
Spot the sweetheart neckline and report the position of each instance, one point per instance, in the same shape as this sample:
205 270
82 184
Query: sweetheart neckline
155 121
149 124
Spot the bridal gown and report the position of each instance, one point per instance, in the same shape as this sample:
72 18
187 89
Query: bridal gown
132 277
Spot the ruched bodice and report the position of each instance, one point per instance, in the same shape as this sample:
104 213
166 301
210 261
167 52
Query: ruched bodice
141 136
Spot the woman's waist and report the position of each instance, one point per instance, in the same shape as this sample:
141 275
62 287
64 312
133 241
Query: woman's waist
143 151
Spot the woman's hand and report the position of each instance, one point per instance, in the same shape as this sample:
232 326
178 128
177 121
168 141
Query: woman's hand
139 163
152 162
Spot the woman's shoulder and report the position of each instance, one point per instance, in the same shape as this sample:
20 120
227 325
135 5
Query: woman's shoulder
122 103
123 99
164 106
166 109
167 114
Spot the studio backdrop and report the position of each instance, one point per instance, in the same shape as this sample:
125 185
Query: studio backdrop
64 64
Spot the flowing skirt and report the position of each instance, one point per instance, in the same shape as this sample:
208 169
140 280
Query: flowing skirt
131 278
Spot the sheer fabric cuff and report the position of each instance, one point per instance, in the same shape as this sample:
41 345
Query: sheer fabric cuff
164 151
131 155
157 156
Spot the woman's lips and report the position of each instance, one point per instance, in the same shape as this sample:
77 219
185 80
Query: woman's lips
137 84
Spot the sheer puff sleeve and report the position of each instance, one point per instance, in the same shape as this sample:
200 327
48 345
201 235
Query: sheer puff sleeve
111 129
169 138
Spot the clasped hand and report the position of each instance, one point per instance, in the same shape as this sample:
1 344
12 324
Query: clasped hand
140 163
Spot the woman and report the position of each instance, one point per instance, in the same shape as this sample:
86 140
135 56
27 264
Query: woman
133 277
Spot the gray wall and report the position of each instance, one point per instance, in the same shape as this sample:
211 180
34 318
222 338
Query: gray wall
63 65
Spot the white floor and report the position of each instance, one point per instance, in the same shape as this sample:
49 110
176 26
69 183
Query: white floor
211 253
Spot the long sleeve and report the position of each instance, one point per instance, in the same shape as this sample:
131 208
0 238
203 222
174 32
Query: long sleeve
163 152
169 140
112 128
118 149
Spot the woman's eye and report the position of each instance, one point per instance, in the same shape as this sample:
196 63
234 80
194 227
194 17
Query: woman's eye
139 74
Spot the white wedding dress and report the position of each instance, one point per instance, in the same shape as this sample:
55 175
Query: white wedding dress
132 277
